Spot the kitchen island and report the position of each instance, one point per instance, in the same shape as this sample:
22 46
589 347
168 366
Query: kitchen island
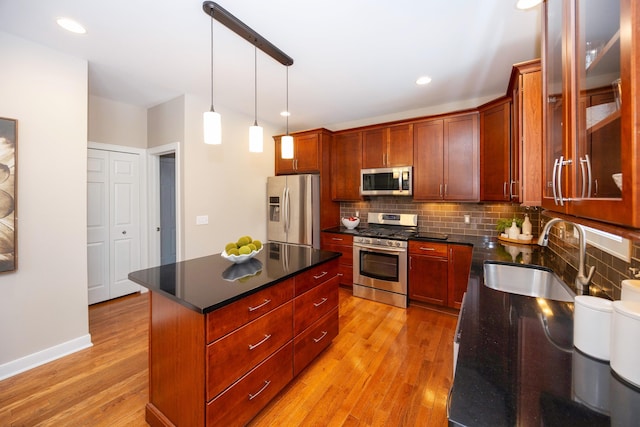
225 338
516 362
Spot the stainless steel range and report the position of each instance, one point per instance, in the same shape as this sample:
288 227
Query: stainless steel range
380 258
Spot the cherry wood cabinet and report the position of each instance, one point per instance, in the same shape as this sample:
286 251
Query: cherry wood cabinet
446 158
343 243
388 146
591 48
223 367
438 272
495 151
346 164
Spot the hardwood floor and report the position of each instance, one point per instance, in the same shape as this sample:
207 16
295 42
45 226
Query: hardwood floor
387 367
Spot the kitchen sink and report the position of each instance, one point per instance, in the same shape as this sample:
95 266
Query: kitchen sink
533 281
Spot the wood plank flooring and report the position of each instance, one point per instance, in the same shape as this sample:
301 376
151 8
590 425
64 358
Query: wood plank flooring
387 367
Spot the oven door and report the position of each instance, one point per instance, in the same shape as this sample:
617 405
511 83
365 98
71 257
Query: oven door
380 267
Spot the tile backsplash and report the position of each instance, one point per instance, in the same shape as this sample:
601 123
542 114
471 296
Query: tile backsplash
448 218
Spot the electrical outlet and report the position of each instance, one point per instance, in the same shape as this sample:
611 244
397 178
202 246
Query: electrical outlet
467 219
202 219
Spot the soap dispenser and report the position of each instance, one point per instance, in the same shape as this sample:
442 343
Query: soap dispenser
526 225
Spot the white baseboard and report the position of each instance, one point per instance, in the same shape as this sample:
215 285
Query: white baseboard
41 357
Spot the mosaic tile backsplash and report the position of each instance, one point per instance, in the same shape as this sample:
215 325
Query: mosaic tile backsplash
448 218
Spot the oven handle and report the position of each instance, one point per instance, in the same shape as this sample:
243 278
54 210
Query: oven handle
379 248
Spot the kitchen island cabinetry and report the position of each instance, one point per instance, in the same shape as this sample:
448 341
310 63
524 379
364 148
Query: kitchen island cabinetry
346 163
438 272
387 147
225 339
446 158
343 243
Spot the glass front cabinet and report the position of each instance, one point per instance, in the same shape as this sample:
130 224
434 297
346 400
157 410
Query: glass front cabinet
591 125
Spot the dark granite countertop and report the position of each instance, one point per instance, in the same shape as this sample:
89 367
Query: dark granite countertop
207 283
516 360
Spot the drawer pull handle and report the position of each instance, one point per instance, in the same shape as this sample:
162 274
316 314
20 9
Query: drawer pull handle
336 238
252 346
324 334
324 273
427 249
318 304
266 301
253 396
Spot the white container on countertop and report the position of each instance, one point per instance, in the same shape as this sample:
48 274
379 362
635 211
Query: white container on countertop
630 290
514 231
592 326
625 340
526 225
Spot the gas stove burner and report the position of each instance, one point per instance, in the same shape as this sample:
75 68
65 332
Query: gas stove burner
390 226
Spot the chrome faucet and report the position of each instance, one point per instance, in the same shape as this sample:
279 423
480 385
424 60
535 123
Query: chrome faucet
581 279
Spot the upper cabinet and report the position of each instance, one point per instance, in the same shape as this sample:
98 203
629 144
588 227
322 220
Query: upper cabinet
591 111
346 162
496 183
307 153
388 147
446 158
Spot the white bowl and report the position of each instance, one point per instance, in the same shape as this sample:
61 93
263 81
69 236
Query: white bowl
239 259
350 224
524 236
617 178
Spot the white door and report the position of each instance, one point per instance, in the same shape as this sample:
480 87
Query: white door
113 223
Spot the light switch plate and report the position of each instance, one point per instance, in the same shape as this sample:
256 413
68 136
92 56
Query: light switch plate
202 219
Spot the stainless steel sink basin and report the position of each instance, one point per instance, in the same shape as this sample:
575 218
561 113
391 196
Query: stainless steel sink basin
530 281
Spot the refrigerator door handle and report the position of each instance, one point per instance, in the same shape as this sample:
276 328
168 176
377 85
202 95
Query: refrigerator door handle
287 209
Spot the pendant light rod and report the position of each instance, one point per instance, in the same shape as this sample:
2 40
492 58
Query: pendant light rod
223 16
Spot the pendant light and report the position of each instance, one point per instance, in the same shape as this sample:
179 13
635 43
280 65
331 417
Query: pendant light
286 142
211 119
255 131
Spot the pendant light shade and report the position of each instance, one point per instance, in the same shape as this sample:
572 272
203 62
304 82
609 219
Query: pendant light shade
212 120
286 142
255 131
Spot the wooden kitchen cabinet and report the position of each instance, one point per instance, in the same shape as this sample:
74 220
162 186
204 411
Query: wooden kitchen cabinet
307 154
495 150
387 147
343 243
587 47
438 272
346 163
446 158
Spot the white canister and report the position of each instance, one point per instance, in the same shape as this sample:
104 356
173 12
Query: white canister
592 326
630 290
625 340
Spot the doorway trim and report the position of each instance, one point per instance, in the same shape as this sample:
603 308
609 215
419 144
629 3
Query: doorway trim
153 160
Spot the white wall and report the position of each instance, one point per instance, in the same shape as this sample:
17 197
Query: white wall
43 305
226 182
117 123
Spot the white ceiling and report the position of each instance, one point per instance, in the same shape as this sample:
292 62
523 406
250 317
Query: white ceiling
355 60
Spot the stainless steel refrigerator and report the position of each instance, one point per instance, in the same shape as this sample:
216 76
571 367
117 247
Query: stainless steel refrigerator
294 209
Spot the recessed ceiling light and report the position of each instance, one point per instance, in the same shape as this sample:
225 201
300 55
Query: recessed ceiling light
423 80
527 4
285 114
71 25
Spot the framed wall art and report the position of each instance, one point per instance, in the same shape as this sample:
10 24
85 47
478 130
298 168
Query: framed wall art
8 162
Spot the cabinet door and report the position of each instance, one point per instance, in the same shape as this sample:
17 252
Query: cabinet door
529 166
428 279
459 268
400 146
428 137
346 163
374 148
307 153
461 160
495 141
283 166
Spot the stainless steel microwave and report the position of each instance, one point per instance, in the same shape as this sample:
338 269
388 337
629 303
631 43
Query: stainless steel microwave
387 181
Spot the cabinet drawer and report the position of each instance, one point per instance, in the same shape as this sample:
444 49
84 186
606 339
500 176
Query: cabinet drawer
232 356
428 248
242 401
228 318
309 344
336 239
312 278
314 304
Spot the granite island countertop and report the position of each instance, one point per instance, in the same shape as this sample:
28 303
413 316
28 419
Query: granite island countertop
207 283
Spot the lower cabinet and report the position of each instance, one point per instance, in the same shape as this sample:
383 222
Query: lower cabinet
223 367
438 272
343 243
